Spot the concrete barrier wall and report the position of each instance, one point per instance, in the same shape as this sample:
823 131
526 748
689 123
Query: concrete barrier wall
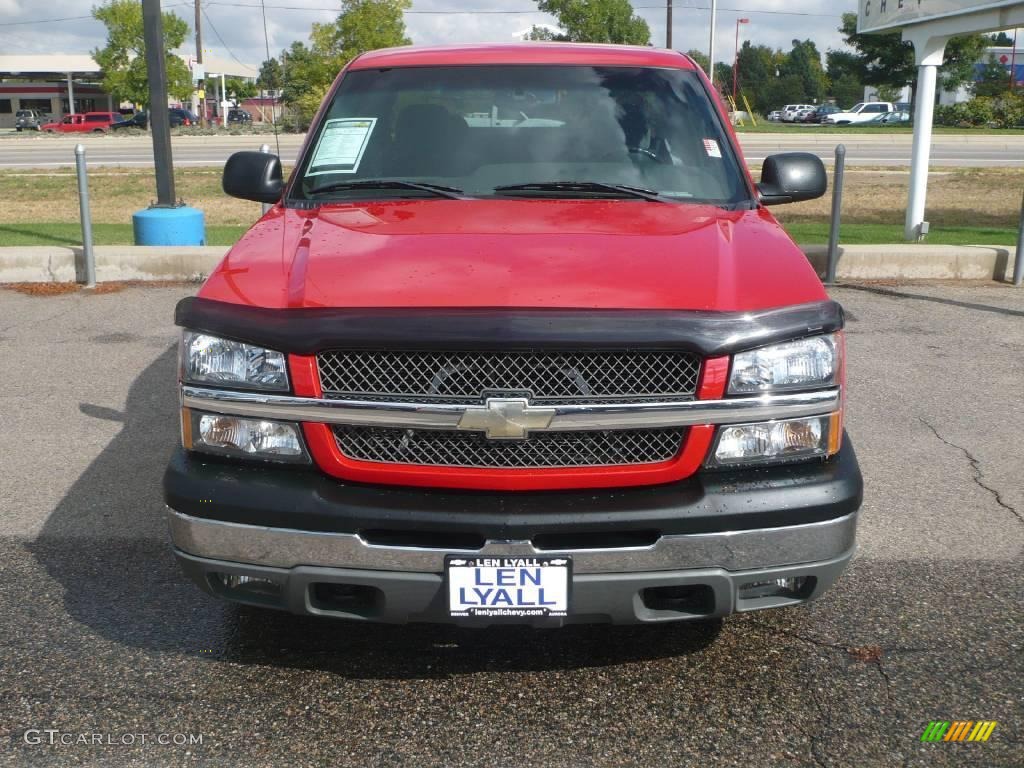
857 262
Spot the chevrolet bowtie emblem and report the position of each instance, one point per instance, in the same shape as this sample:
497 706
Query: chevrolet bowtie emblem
506 418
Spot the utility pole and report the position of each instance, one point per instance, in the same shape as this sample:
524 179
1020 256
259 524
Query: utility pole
199 61
711 47
668 25
159 120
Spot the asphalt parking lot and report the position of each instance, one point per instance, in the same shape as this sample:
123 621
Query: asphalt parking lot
101 635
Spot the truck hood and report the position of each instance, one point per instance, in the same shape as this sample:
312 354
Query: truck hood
601 254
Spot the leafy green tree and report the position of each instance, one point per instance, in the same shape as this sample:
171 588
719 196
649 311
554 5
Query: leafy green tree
239 88
840 64
804 62
756 71
885 60
847 90
1002 40
787 89
362 25
700 58
594 21
271 75
123 59
994 79
723 76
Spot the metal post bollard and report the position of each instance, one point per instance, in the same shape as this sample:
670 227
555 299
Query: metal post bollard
837 207
265 149
83 207
1018 269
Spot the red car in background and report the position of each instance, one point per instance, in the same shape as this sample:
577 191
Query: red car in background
90 122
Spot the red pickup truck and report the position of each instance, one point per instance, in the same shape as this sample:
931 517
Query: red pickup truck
90 122
519 341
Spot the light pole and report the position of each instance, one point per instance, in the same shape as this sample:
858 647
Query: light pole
736 58
711 45
668 25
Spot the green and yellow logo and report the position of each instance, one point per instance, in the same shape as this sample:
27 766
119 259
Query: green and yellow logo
958 730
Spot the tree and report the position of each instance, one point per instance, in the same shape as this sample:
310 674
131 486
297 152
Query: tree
993 80
123 60
804 62
756 70
700 58
847 90
271 75
787 89
362 25
238 88
885 60
1001 40
723 76
594 21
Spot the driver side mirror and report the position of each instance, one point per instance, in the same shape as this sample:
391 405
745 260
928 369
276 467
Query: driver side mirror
255 176
792 177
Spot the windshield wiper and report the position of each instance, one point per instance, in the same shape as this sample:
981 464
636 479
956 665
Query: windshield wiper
586 186
436 189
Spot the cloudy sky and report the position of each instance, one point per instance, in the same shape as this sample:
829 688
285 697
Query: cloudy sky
236 27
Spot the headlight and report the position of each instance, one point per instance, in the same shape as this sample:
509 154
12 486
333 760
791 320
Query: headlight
775 442
208 359
242 438
803 364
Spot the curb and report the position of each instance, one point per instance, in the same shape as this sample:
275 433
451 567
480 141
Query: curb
54 264
916 262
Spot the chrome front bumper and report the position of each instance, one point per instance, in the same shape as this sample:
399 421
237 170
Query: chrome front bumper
732 551
405 584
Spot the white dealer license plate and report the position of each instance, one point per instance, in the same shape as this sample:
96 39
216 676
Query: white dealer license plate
508 587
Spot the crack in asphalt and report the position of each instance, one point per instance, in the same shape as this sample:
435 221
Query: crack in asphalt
976 469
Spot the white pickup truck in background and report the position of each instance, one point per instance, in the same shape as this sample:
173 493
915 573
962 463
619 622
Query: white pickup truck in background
860 113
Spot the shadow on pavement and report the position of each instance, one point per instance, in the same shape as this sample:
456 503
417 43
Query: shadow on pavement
106 544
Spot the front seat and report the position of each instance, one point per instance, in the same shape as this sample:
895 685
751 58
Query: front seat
428 141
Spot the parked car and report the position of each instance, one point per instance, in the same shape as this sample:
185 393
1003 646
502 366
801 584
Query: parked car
29 120
90 122
860 113
239 116
427 385
775 115
138 120
889 118
801 115
818 115
182 117
790 110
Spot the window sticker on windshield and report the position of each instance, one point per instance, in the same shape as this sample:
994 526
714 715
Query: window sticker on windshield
711 147
341 146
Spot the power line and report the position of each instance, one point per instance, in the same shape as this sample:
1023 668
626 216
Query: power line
517 12
225 45
413 11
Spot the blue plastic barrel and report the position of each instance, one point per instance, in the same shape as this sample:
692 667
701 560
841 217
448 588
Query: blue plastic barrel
170 226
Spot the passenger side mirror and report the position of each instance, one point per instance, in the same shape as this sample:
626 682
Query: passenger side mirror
791 177
254 176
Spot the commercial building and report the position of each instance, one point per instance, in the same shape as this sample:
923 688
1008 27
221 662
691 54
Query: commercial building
60 84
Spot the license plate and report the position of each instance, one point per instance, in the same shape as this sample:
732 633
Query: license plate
508 587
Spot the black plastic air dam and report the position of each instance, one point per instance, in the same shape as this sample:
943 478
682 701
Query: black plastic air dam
308 331
709 502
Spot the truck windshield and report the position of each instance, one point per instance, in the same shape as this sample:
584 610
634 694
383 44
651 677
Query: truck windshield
521 131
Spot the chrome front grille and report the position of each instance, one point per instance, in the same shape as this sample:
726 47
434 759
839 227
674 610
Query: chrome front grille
543 449
544 377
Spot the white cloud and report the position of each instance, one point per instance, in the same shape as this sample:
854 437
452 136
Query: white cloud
240 23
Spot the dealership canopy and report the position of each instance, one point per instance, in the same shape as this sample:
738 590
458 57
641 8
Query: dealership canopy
928 25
